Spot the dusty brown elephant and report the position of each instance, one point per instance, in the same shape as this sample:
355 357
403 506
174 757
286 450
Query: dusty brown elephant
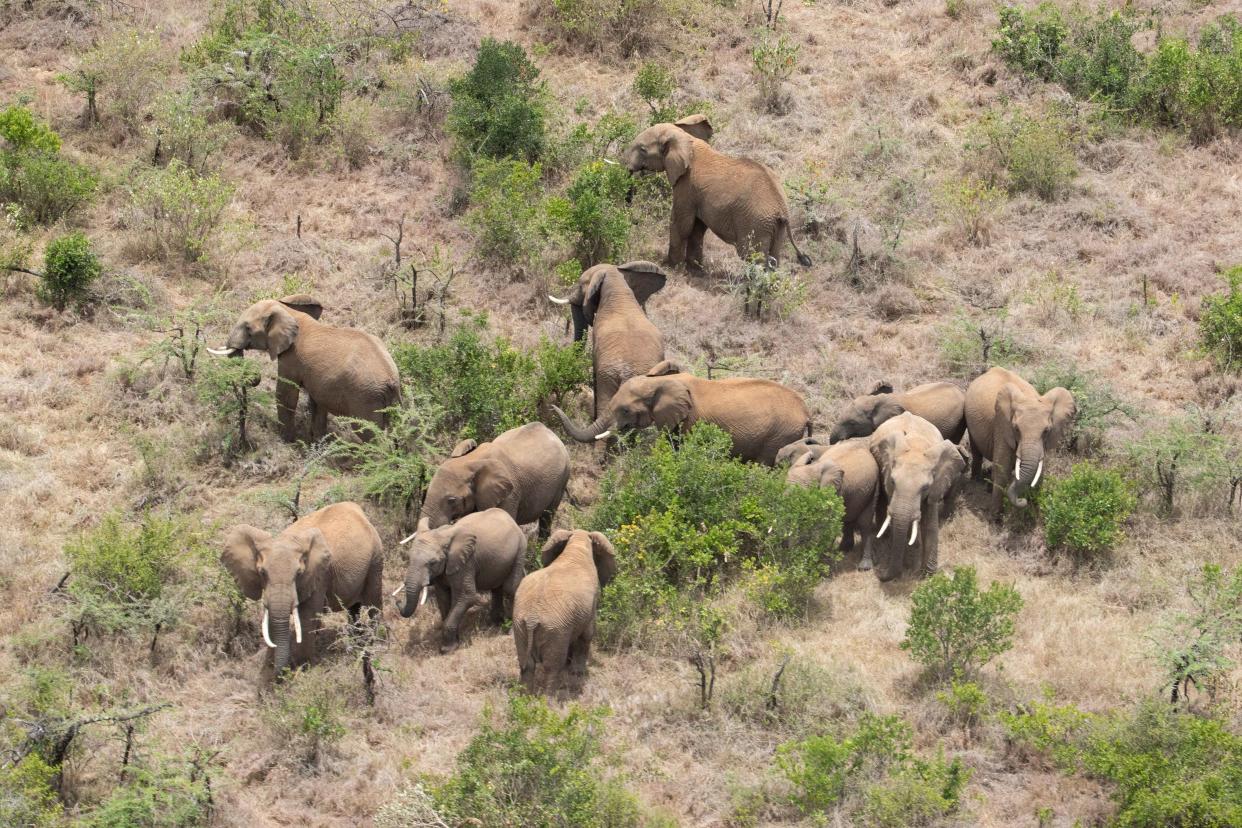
920 472
739 200
331 559
480 553
850 468
554 611
762 416
345 371
611 299
940 403
1011 424
798 449
523 471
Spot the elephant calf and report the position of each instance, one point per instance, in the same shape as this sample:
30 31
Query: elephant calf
849 468
345 371
331 559
940 403
554 611
480 553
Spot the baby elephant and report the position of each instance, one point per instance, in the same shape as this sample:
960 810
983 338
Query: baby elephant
480 553
849 468
554 611
940 403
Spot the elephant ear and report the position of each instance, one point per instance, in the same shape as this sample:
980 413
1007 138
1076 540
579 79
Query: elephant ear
883 407
282 330
881 387
697 125
315 578
492 486
678 152
831 476
590 295
554 546
1006 402
948 469
460 552
1064 410
664 368
241 556
644 279
885 447
305 303
463 448
671 404
605 558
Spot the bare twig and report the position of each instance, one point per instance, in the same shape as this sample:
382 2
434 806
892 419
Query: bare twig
774 693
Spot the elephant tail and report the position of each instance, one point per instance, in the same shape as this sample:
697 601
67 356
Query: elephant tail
803 259
807 430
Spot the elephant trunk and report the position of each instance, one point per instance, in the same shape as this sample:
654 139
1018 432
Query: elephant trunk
278 629
279 614
904 533
1028 469
584 434
580 323
415 594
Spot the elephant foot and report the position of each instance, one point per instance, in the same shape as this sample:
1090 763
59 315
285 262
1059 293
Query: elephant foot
448 647
864 565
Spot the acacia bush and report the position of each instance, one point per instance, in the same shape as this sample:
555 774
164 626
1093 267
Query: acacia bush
766 291
1197 647
34 177
1098 406
70 267
179 130
620 26
163 797
1084 512
1220 322
499 106
229 389
28 797
119 76
1182 463
690 521
593 214
308 716
181 212
506 212
955 628
1025 152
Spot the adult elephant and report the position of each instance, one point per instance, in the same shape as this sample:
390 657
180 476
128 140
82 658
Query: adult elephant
738 199
344 371
554 611
919 475
1012 424
523 472
760 415
940 403
331 559
481 553
850 468
611 299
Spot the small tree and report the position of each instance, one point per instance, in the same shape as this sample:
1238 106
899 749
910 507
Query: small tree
773 59
655 85
227 386
181 211
498 106
1084 512
955 629
593 213
1220 322
70 267
1194 647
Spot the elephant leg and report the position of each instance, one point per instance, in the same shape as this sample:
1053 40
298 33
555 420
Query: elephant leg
579 654
319 418
680 227
545 519
444 600
694 245
452 624
847 536
287 393
1001 470
866 528
496 614
554 656
931 540
976 461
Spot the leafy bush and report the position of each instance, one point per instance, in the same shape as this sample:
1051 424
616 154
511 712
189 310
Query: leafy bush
1084 512
773 60
507 211
180 131
955 629
921 792
33 176
1220 322
972 203
688 522
228 388
155 799
27 796
654 84
536 768
623 26
768 291
968 347
593 213
126 68
307 716
499 106
1100 60
1025 153
807 697
1194 647
1032 40
70 267
181 211
1178 460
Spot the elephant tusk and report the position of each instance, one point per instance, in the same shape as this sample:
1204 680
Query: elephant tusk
609 161
884 527
422 598
604 436
556 301
1017 469
1038 471
267 637
398 591
410 538
297 625
221 351
914 533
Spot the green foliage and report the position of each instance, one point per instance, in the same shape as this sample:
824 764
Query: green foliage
1178 460
125 69
966 703
1084 512
42 185
161 798
768 291
180 131
1032 40
1220 322
956 629
688 522
499 106
1097 404
22 132
308 716
1025 153
593 213
654 84
968 347
1055 730
228 388
920 792
28 797
181 211
1100 60
536 768
972 203
70 267
808 696
773 60
507 212
1194 647
623 26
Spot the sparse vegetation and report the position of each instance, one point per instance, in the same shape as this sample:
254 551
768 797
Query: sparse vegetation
228 388
654 84
1181 461
181 212
1196 647
70 267
42 184
1084 512
1025 152
306 717
956 628
973 204
774 58
768 291
1220 322
119 76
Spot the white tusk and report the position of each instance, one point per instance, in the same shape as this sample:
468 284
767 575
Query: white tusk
914 533
398 591
610 161
422 599
220 351
297 625
884 528
554 300
1038 471
1017 469
267 637
410 538
604 436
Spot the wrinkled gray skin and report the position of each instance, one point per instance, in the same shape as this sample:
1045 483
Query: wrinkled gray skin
850 468
610 299
481 553
920 472
796 450
554 611
523 471
940 403
1012 425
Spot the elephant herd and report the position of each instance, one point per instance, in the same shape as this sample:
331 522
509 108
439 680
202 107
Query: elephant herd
896 458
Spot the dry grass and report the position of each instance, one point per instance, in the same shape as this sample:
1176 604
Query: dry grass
883 98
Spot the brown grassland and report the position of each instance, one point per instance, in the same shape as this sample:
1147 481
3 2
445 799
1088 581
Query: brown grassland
1108 279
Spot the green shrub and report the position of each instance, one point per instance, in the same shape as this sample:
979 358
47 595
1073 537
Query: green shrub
1193 647
499 106
1055 730
125 69
507 212
1181 460
1100 60
593 213
33 176
70 267
968 346
955 629
773 61
922 792
622 26
654 84
180 131
808 697
966 703
688 522
308 716
1032 40
154 799
768 291
1220 322
972 203
536 768
22 132
1025 153
28 798
228 389
1084 512
181 212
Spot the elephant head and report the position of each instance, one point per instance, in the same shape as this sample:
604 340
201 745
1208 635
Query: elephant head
283 572
661 398
436 553
810 469
461 483
640 277
604 556
1030 424
918 471
864 414
268 325
807 446
667 147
